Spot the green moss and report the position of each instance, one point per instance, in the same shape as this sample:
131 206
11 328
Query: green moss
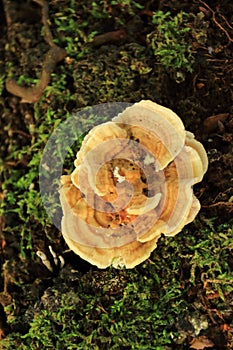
132 309
172 41
122 75
212 258
2 82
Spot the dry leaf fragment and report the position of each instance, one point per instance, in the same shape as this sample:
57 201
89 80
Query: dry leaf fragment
212 123
201 343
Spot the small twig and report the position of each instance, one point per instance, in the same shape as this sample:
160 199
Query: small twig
103 309
52 57
223 29
224 204
22 133
216 22
205 306
34 93
45 21
7 14
217 60
228 24
109 37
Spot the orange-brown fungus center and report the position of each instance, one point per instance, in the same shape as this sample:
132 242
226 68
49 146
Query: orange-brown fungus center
124 178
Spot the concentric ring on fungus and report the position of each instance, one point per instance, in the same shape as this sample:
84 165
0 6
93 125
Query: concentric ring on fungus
132 181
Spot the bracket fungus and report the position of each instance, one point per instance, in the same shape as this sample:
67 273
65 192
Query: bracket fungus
132 182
